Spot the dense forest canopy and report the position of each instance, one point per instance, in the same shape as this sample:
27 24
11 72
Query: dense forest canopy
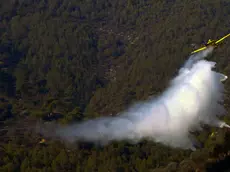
68 60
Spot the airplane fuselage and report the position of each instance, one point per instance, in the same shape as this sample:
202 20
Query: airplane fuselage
211 42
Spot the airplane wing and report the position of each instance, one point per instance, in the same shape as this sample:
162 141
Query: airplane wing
221 39
200 49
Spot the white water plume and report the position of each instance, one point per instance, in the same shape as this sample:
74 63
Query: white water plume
193 97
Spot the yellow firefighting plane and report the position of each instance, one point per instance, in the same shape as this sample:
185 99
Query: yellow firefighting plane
211 42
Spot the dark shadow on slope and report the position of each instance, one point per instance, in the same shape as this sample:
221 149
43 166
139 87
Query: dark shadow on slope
220 166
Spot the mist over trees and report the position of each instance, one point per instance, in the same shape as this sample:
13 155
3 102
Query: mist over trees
71 60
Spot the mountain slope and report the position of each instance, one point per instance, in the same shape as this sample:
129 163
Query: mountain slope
72 60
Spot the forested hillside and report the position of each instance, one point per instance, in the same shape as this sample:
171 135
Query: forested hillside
71 60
